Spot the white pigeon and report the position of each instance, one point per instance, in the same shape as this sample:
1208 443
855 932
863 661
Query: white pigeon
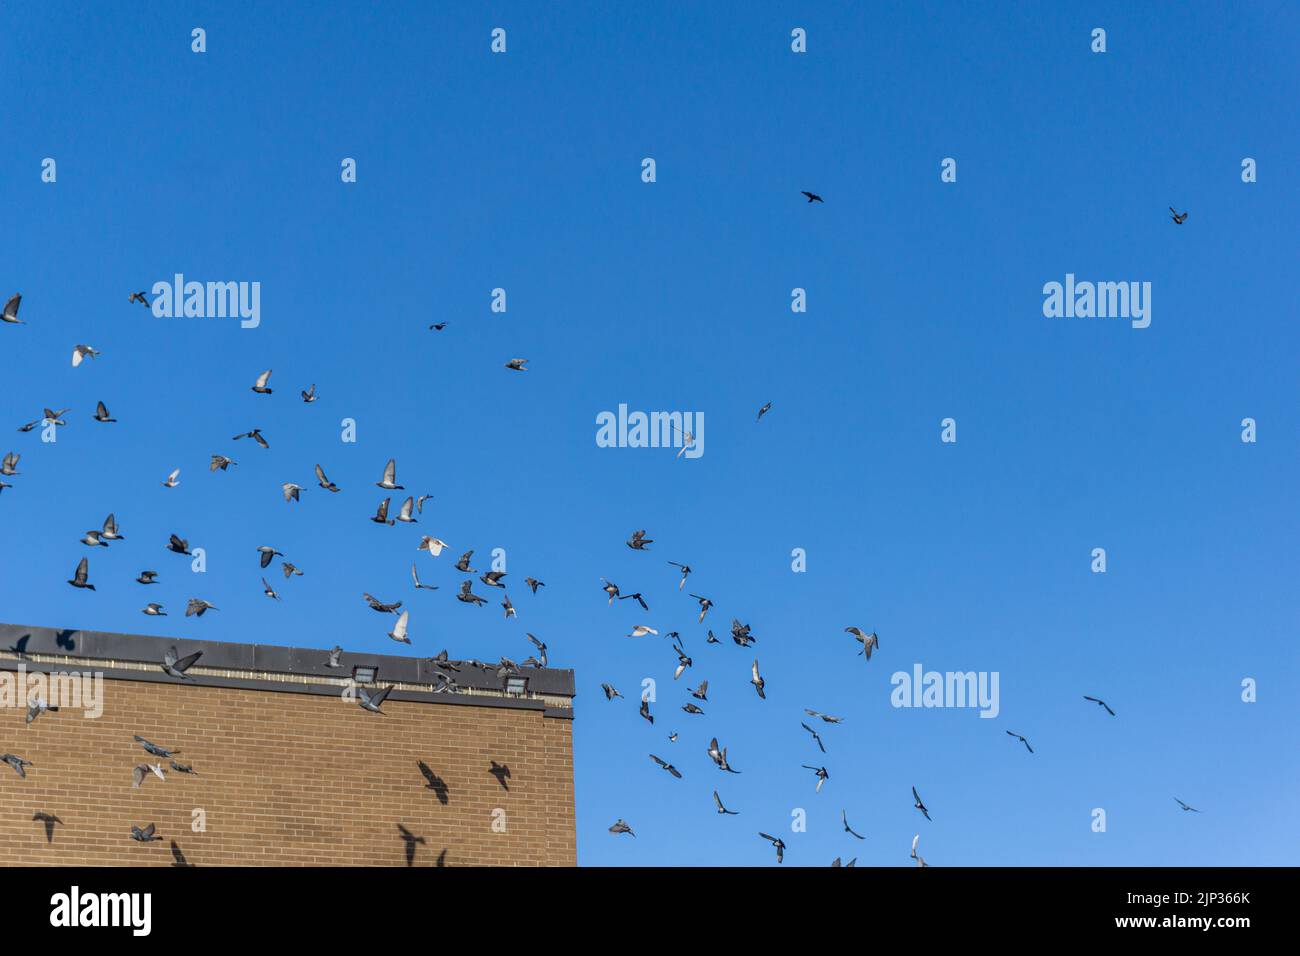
398 632
433 545
80 352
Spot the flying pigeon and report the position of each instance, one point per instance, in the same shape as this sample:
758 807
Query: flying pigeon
79 576
198 606
638 541
10 313
1098 700
667 766
778 843
1021 739
919 805
177 666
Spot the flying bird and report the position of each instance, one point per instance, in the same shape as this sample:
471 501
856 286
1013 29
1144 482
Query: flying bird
143 770
147 577
309 396
198 606
667 766
686 573
81 352
268 554
641 630
154 749
1177 217
381 513
256 435
763 411
110 532
844 819
380 606
139 297
534 584
721 809
36 707
171 481
10 313
870 642
822 775
638 541
177 666
610 588
635 597
153 609
778 843
433 545
826 718
415 576
812 197
101 413
919 805
389 481
1098 700
260 385
79 576
645 710
705 604
468 596
1021 739
757 681
1185 806
269 591
517 365
621 826
740 633
610 691
398 633
816 736
145 835
222 462
719 756
920 861
178 544
18 763
335 653
325 482
371 702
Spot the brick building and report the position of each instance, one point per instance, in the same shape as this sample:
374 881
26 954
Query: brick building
290 770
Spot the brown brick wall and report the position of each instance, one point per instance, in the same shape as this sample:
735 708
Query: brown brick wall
287 779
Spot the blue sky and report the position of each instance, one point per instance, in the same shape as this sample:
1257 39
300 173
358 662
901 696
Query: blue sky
522 171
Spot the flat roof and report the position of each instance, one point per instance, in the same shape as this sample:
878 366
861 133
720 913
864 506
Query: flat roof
280 669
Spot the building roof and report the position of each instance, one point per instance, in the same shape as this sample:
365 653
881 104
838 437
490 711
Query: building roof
280 669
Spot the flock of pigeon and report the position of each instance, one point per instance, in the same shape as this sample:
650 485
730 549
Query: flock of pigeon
407 513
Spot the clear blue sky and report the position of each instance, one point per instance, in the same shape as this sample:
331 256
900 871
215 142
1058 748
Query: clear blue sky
523 171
